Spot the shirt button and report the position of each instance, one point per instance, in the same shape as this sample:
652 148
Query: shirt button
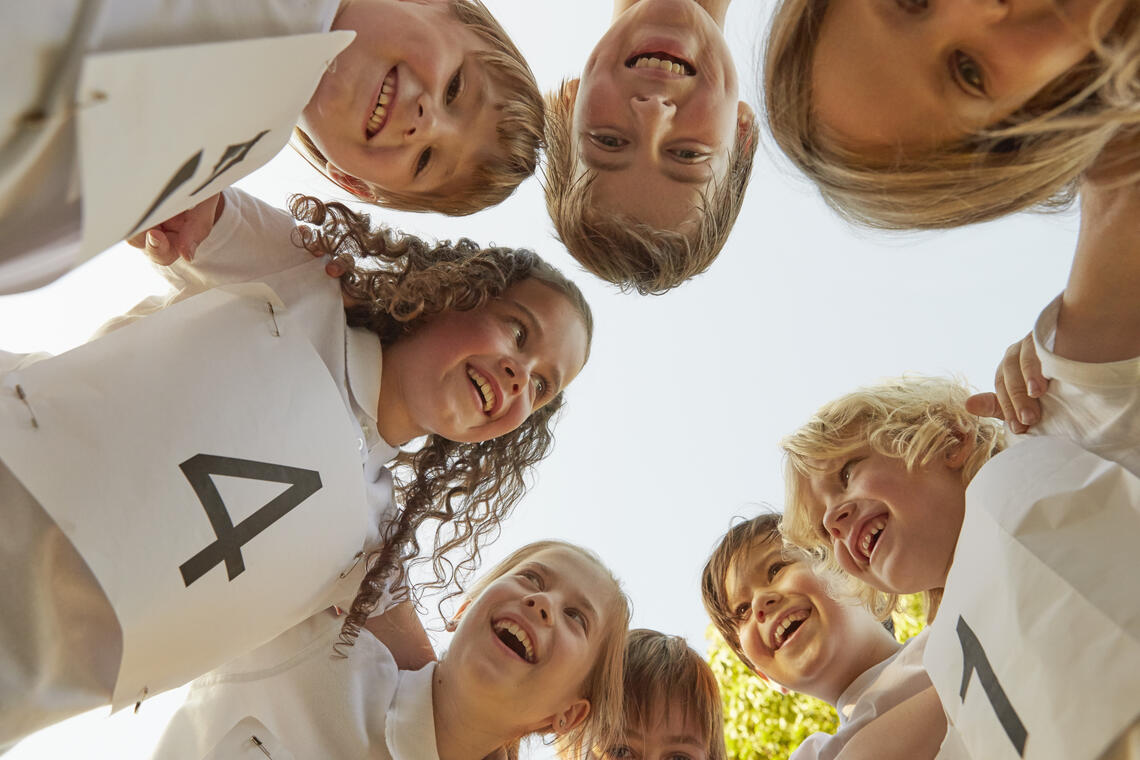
360 443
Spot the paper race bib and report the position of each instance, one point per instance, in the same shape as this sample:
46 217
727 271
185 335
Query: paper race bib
1035 652
203 463
162 129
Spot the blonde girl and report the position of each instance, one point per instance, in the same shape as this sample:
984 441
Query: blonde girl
537 650
466 348
939 113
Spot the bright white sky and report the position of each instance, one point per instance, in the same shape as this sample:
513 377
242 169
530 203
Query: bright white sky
671 429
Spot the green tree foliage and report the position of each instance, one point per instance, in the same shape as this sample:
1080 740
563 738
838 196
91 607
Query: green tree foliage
761 723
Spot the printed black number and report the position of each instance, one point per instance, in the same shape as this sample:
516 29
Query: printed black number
230 537
231 156
974 660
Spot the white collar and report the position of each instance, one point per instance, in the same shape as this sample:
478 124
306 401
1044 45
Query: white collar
362 367
410 726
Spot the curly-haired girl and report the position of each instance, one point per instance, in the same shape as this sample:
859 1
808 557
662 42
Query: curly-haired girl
938 113
464 347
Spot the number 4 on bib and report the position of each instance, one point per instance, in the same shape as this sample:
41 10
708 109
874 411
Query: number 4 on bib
199 468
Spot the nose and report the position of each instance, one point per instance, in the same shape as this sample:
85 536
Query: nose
763 603
653 110
424 118
539 605
837 518
517 375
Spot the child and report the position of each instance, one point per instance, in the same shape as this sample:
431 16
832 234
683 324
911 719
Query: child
431 107
878 481
538 649
672 702
935 115
649 152
409 364
780 619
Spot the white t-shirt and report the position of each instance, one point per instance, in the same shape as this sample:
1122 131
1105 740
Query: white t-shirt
316 705
43 45
874 692
60 641
1097 407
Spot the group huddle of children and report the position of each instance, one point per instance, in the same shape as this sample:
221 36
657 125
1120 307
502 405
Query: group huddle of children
907 114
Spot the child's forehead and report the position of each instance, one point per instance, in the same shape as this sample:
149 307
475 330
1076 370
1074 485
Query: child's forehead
672 717
753 555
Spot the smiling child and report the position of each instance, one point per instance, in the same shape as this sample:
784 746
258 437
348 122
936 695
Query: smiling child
650 151
537 650
780 619
430 108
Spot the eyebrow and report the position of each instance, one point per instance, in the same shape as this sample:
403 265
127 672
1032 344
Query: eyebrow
579 600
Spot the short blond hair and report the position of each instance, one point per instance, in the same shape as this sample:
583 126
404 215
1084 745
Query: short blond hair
625 251
603 684
915 419
662 671
520 128
1031 159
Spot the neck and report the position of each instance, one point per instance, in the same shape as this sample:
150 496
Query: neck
392 419
718 9
465 728
870 655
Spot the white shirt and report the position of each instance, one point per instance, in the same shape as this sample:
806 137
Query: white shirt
874 692
43 45
315 704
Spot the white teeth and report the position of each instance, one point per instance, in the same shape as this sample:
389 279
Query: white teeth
782 628
384 98
380 112
518 633
485 389
875 529
649 62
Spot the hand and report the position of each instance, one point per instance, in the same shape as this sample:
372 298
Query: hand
1018 383
179 236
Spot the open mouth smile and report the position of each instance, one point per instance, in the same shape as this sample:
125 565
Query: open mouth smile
384 101
516 638
787 626
660 61
485 389
868 537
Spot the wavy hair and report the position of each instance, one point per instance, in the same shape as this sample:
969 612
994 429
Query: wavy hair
468 488
916 419
1033 158
519 130
622 250
603 684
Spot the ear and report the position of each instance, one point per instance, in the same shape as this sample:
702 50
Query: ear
745 119
957 454
358 187
570 718
569 92
462 608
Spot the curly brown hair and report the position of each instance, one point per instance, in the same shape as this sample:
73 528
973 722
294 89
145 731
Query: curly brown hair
469 488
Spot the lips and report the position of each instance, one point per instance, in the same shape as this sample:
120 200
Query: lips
517 638
787 625
385 101
866 538
487 390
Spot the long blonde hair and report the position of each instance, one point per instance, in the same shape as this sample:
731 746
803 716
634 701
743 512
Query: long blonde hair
603 684
1031 159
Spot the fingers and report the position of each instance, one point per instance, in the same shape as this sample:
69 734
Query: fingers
1035 381
157 247
984 405
335 269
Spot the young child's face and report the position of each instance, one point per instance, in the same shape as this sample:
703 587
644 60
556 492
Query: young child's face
892 528
438 118
656 138
532 635
791 630
670 733
918 73
475 375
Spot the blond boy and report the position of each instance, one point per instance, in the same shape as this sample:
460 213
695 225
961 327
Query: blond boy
649 152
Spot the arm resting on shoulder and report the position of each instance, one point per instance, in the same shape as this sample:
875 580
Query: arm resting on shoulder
400 630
